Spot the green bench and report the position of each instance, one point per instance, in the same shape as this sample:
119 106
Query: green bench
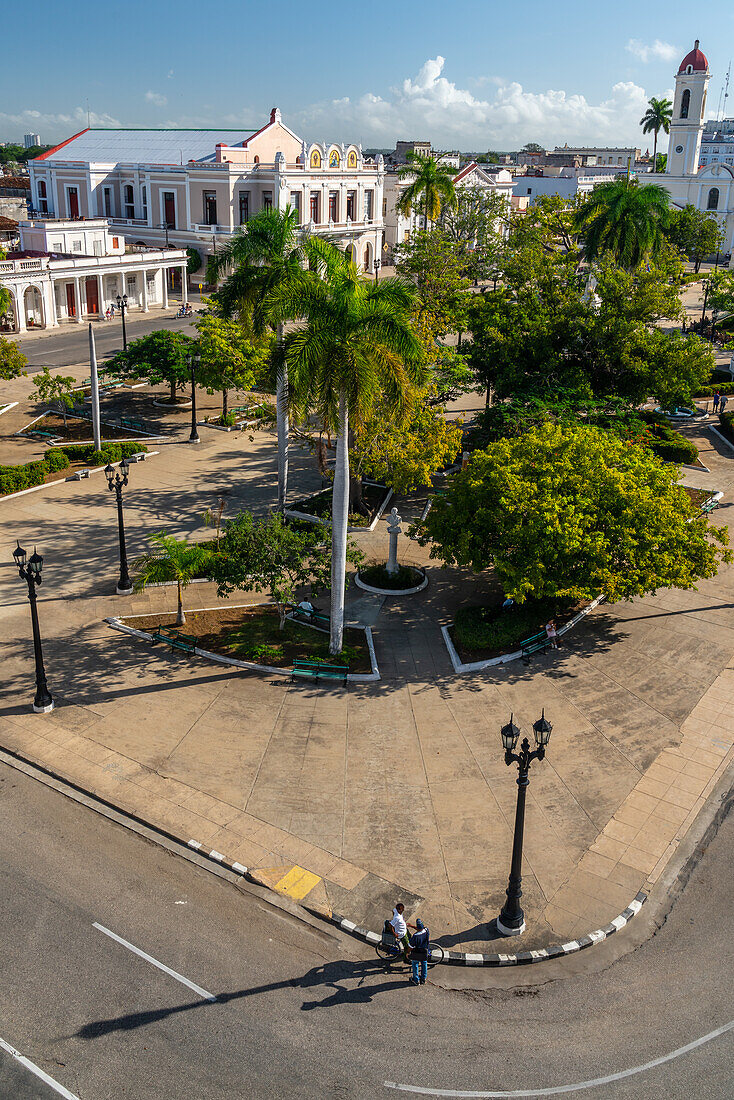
315 670
709 506
186 642
42 435
537 643
132 424
313 618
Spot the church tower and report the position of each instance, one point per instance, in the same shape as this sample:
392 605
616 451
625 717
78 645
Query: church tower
689 104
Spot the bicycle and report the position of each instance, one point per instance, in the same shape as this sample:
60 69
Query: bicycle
391 953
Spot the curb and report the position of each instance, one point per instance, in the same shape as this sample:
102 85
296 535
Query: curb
393 591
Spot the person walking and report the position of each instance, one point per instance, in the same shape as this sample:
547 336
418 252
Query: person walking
717 398
419 953
722 403
552 633
400 928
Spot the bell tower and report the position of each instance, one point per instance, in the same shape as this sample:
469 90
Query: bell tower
689 104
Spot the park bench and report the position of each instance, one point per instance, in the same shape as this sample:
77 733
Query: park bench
315 670
132 424
709 506
79 474
186 642
314 618
537 643
139 456
40 434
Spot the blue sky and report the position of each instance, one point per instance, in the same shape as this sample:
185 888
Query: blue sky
469 74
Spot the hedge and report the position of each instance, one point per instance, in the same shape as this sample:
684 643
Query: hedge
13 479
725 425
666 442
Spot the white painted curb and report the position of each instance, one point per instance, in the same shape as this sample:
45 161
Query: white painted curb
393 591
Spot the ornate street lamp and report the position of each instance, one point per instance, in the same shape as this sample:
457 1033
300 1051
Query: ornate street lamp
377 265
116 483
30 571
511 921
194 361
122 306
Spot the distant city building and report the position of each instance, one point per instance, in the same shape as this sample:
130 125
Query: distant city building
567 156
402 148
717 142
30 141
566 182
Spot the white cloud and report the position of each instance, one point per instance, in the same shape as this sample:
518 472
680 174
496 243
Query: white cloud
169 74
156 98
429 106
51 127
658 51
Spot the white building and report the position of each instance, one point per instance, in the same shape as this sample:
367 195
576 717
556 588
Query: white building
193 188
717 142
72 271
566 182
30 141
707 186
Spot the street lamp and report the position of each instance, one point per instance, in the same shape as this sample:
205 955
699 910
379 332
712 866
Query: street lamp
115 482
30 572
377 265
122 306
511 921
164 225
194 361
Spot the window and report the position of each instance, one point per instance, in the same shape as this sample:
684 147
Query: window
169 209
72 194
107 195
57 246
368 200
530 190
351 204
384 208
129 201
315 159
244 207
296 203
210 208
97 248
267 200
76 246
145 203
132 284
685 103
115 242
42 197
713 199
333 206
314 207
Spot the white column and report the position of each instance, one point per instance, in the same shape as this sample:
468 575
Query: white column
19 308
184 285
122 284
78 299
53 315
164 275
144 275
100 296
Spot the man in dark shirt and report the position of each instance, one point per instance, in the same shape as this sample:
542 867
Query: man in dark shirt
419 953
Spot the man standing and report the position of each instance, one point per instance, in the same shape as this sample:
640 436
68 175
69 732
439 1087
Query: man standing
717 398
419 953
722 404
400 928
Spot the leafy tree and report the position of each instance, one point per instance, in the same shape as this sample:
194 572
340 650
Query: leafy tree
625 218
230 358
431 187
193 262
55 388
549 223
695 233
436 264
574 512
720 294
161 356
475 225
356 345
12 360
661 162
172 559
657 117
266 554
532 147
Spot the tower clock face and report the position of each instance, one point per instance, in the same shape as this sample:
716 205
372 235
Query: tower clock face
679 148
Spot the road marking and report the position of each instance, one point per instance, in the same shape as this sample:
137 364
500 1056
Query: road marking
161 966
297 883
567 1088
38 1071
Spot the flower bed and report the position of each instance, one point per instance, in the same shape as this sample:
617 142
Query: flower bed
484 631
407 578
57 461
77 429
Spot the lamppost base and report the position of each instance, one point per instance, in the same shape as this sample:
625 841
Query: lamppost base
124 591
506 931
197 440
45 709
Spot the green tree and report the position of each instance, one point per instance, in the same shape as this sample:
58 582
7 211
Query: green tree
431 187
532 147
231 358
172 559
549 224
574 512
625 218
356 345
266 554
55 388
720 294
12 360
476 224
160 357
436 265
193 261
695 233
657 117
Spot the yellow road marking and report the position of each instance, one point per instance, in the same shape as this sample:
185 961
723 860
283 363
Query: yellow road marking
297 883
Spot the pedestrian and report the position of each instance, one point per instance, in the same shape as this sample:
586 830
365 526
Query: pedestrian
400 928
552 633
717 398
722 404
419 953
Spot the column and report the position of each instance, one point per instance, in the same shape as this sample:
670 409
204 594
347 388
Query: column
19 296
78 300
184 285
51 317
122 284
100 296
164 276
144 275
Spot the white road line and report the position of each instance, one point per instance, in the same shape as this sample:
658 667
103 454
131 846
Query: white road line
161 966
38 1071
567 1088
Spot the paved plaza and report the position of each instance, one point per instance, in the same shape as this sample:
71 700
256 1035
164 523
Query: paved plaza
348 799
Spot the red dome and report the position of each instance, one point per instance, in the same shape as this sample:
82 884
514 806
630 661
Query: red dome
696 59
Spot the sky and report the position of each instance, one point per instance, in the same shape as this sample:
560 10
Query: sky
465 74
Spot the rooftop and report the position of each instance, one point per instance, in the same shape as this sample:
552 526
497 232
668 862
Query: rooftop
110 146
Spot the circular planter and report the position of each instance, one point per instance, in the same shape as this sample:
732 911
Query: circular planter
393 591
175 407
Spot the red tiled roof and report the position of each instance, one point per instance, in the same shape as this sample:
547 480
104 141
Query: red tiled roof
696 59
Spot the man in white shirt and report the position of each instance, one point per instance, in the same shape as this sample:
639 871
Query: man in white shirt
400 928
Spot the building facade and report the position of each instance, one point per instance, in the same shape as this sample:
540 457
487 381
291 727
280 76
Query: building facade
717 142
565 182
193 188
31 141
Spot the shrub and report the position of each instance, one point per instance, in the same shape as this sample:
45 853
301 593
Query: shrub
490 628
378 577
56 460
726 425
13 479
112 451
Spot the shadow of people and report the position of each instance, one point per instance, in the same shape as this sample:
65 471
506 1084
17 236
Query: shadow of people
485 933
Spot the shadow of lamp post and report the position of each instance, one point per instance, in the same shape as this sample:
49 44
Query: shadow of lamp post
115 482
511 921
30 572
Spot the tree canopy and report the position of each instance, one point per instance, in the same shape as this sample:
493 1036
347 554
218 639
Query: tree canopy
12 360
431 187
627 219
657 117
231 358
160 357
696 234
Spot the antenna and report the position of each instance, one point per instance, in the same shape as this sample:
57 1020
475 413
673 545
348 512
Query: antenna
726 89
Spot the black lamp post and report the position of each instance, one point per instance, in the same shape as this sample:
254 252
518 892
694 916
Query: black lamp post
114 481
122 306
511 921
377 265
164 225
194 361
30 571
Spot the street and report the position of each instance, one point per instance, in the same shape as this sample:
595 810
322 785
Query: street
131 972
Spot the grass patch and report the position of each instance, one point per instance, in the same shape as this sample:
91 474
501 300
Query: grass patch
481 632
378 577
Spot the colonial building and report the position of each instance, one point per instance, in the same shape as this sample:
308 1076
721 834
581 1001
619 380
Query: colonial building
193 188
72 271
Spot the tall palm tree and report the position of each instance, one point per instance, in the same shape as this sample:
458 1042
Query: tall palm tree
657 117
626 219
431 187
265 254
355 344
171 559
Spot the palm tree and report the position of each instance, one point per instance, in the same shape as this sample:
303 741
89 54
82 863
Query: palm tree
626 219
265 254
355 344
172 560
431 186
657 117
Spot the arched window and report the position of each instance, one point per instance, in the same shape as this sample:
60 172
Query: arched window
352 159
129 201
685 103
42 189
315 159
713 201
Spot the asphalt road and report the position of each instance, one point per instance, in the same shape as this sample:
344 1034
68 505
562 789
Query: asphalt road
301 1012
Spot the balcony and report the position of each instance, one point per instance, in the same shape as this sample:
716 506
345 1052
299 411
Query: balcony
208 230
